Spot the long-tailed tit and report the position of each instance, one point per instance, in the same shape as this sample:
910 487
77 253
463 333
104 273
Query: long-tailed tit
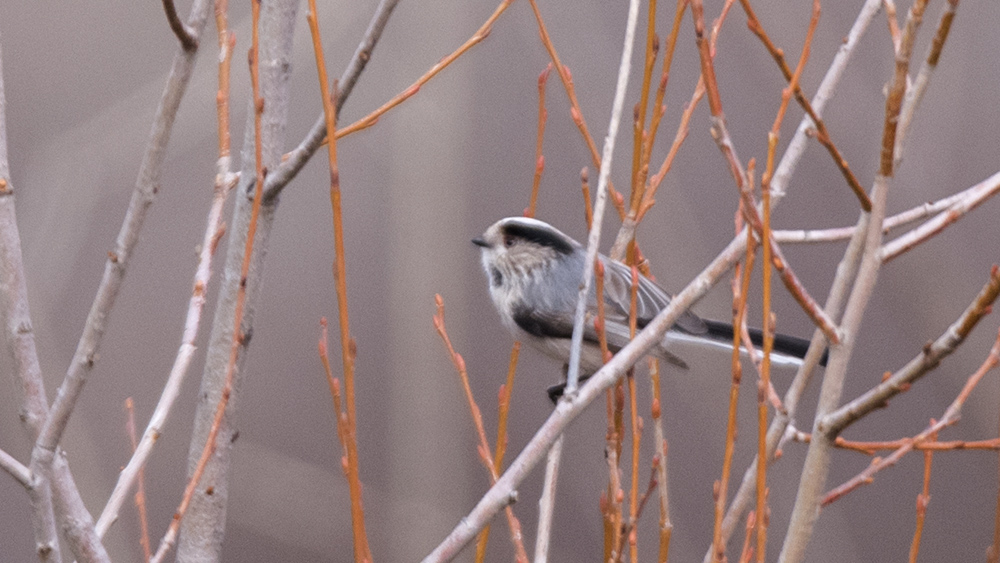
535 271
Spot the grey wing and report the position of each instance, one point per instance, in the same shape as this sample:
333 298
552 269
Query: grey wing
650 299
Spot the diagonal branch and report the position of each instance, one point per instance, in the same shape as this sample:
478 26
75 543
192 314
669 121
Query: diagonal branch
279 177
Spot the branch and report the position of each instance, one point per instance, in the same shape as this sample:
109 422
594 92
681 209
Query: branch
187 36
142 197
594 237
202 529
19 336
845 271
504 491
929 358
282 174
971 199
915 93
951 416
15 469
225 181
817 463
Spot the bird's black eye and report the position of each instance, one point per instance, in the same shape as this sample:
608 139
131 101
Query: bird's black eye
508 241
497 277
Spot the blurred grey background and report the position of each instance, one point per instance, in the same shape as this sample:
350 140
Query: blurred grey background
83 80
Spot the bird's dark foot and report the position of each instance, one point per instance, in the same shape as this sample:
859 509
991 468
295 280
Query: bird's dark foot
556 392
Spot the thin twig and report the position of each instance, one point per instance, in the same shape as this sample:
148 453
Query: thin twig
187 36
666 527
225 181
914 214
546 502
300 155
915 93
822 134
575 112
928 358
543 77
720 490
477 419
477 37
237 337
975 196
950 417
594 237
140 488
15 469
923 499
503 411
362 551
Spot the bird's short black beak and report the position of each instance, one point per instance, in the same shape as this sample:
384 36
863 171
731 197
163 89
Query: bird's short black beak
478 241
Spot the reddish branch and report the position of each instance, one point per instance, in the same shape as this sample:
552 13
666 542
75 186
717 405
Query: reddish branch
362 551
951 416
477 419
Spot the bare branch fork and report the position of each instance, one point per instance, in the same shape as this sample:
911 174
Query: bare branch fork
816 467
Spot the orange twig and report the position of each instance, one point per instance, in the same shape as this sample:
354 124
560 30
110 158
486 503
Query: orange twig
238 336
636 425
746 554
890 16
539 157
588 211
822 134
348 350
765 371
993 552
140 487
334 385
575 112
720 491
639 115
922 500
951 416
484 449
373 117
503 410
227 42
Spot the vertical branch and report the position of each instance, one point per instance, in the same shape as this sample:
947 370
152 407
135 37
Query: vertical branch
140 489
503 410
817 462
19 337
539 157
633 500
237 336
720 492
765 371
594 238
922 501
362 551
666 527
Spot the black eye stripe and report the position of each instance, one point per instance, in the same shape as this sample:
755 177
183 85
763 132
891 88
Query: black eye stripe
539 236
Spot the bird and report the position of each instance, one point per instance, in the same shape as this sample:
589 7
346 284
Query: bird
534 272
